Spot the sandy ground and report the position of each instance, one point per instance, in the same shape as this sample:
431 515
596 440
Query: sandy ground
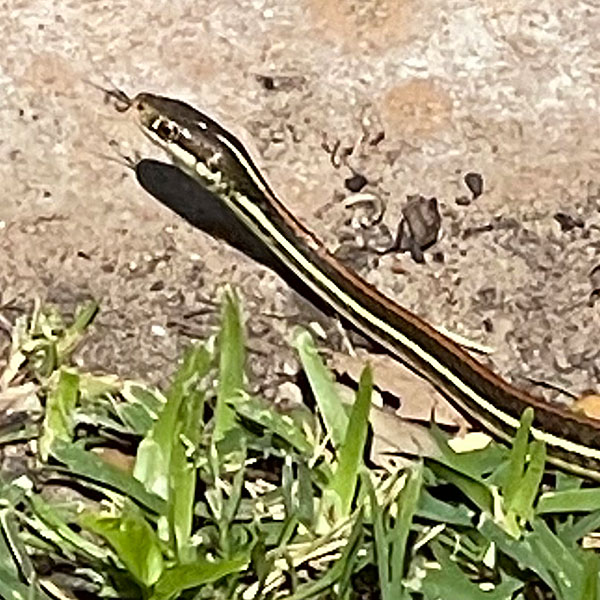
416 94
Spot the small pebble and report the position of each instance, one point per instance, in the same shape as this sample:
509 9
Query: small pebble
474 181
595 278
268 83
595 284
567 222
289 394
355 183
419 227
379 137
158 330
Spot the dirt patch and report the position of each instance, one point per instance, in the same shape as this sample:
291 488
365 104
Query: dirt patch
411 98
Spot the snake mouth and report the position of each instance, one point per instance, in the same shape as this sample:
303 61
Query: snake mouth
121 101
113 95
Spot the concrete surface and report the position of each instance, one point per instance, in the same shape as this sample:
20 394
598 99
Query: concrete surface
506 89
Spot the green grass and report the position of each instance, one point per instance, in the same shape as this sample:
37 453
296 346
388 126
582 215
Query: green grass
224 496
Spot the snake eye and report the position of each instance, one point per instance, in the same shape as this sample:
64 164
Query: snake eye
166 130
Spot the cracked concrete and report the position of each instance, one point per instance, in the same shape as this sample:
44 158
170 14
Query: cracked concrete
417 94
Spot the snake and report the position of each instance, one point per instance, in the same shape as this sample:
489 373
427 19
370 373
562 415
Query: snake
212 170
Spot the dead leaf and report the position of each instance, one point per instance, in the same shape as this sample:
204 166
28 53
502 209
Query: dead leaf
589 405
419 400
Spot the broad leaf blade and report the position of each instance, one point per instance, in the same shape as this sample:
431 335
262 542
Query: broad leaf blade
186 577
134 541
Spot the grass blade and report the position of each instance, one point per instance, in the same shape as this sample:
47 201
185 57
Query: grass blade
88 465
350 454
340 569
283 426
569 501
232 357
75 542
476 492
438 582
183 475
436 510
571 534
544 553
153 457
141 408
566 564
591 571
382 547
12 588
323 387
475 464
525 496
407 503
517 457
60 406
14 541
74 333
306 500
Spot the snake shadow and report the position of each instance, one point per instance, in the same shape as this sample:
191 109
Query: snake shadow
185 196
